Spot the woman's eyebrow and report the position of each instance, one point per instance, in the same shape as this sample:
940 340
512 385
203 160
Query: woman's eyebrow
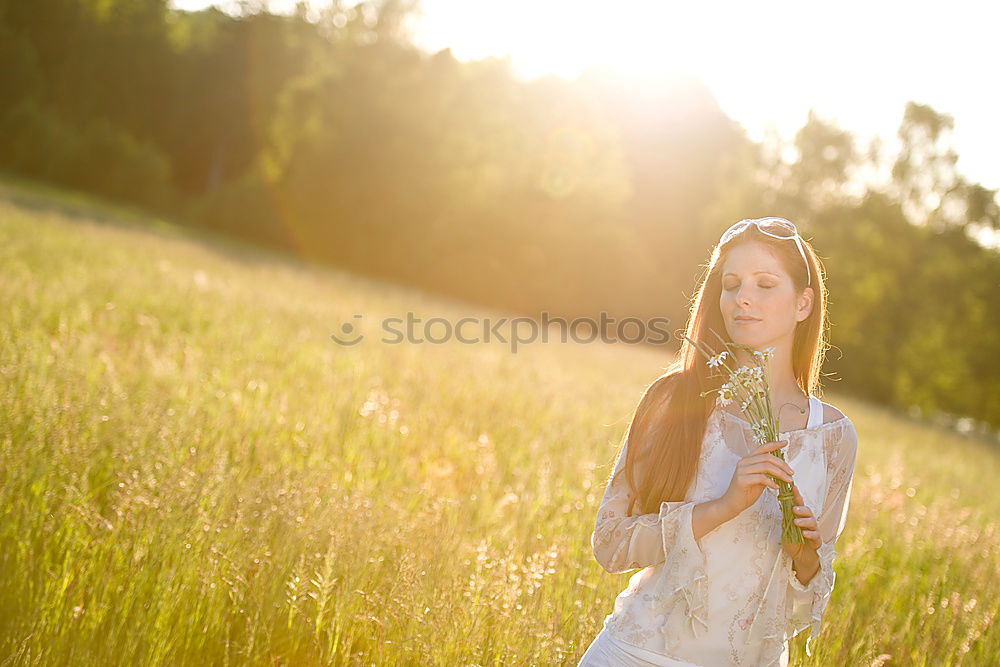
754 273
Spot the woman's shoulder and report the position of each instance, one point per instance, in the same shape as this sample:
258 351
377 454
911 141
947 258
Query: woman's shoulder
839 430
831 414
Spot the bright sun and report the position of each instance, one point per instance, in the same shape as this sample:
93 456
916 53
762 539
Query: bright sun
642 41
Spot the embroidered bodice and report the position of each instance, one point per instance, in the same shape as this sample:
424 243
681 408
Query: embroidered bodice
732 597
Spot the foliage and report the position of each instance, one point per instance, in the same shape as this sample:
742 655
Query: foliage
328 134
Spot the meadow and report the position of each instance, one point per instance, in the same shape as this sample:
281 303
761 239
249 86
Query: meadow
193 472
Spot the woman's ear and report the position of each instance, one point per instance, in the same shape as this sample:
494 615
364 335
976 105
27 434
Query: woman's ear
806 303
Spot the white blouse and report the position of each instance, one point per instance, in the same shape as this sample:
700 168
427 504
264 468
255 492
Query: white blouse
732 597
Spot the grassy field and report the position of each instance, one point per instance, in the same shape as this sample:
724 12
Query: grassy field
192 472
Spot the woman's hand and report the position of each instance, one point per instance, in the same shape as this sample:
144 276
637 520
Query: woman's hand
751 476
807 523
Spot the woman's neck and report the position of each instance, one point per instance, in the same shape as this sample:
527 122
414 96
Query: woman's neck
784 387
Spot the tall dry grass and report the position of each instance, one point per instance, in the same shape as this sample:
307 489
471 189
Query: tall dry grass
192 472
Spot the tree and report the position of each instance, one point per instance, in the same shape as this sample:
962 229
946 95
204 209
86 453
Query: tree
927 182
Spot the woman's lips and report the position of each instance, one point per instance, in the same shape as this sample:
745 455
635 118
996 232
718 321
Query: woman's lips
746 321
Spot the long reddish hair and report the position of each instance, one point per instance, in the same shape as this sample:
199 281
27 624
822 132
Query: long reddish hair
668 433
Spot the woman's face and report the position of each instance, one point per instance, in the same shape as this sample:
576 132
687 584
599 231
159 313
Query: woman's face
756 285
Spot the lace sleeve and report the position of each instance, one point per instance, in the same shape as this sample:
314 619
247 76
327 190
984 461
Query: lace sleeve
809 602
624 542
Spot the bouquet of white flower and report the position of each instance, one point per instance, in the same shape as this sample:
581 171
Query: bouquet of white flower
751 387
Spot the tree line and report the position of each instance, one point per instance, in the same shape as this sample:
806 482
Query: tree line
328 134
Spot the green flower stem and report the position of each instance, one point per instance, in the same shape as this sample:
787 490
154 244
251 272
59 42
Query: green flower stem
760 410
790 531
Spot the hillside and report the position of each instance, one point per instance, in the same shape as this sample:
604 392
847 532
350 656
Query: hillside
194 473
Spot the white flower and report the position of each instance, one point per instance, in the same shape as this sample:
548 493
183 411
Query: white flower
726 394
743 376
717 359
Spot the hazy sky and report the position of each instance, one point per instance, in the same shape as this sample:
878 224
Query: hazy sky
856 63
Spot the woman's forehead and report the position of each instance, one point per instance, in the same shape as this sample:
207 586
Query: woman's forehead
751 258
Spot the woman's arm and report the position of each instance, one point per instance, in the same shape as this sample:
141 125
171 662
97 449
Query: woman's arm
623 542
707 516
809 599
806 566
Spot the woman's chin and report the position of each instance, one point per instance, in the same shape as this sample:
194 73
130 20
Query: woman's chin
756 342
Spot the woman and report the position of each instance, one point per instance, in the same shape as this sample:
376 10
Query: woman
686 504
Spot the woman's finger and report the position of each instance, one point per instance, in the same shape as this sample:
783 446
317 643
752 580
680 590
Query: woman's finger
769 446
800 508
760 478
798 496
754 462
765 467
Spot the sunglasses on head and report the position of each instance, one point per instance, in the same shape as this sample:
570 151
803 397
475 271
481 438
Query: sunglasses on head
782 224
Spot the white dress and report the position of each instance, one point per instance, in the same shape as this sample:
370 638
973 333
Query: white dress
732 597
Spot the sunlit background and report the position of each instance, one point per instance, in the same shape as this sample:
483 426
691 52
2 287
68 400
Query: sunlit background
856 63
200 201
